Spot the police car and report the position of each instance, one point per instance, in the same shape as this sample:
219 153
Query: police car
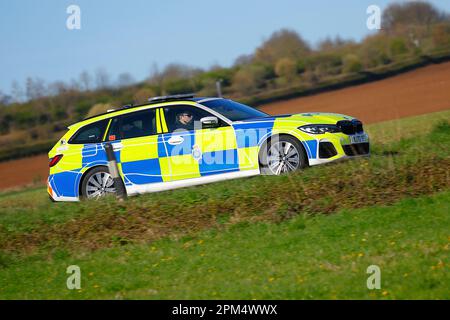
181 140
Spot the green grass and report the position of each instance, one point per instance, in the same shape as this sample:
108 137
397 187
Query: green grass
303 258
396 130
294 236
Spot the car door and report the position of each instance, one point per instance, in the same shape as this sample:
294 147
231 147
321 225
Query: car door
137 144
194 151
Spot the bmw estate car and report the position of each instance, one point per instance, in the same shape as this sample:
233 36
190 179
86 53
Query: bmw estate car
178 141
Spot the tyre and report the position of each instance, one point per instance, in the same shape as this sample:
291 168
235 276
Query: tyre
282 154
97 183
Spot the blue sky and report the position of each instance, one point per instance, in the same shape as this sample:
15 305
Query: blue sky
131 36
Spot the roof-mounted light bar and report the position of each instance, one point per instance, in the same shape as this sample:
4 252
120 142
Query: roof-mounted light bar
172 97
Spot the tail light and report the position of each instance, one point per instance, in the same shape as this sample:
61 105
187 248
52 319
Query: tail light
53 161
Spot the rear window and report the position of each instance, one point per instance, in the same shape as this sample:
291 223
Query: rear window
133 125
92 133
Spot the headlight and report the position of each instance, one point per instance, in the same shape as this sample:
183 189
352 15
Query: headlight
319 128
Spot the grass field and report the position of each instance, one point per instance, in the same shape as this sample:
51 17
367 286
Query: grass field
305 235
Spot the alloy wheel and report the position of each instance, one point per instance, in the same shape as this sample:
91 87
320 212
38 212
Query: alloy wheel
99 184
283 157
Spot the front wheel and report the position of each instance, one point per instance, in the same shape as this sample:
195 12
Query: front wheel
282 154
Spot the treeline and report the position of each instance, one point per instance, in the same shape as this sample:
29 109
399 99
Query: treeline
285 60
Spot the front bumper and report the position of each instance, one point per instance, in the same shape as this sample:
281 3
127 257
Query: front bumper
331 147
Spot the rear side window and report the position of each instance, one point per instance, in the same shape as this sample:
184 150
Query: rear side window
133 125
92 133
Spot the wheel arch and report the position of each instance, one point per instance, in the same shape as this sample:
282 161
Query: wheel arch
83 176
268 138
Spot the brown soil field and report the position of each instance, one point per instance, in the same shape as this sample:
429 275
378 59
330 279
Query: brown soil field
416 92
25 171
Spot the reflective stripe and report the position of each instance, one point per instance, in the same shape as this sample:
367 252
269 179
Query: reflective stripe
163 121
107 129
158 122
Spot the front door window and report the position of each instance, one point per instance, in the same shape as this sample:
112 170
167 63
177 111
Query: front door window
193 151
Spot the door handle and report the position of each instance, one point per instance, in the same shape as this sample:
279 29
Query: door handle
176 140
117 146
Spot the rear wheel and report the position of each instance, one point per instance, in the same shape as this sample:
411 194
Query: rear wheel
282 154
97 183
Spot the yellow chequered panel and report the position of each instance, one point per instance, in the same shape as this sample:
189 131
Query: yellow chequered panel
183 167
141 148
279 124
71 160
248 158
215 139
164 164
279 127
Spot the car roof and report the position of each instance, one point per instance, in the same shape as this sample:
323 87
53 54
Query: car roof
163 101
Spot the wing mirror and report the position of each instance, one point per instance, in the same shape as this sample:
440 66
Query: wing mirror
209 122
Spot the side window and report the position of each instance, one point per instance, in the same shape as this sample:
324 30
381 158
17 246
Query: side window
184 117
92 133
133 125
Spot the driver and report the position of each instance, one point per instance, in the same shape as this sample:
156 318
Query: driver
185 120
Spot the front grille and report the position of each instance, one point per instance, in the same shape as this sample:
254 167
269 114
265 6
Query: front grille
350 127
326 150
356 149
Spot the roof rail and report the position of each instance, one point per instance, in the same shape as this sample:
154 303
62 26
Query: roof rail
172 97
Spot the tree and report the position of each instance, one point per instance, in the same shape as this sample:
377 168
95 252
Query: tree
5 99
397 46
351 63
98 108
34 89
101 78
282 44
142 95
125 79
177 78
286 68
244 59
156 77
330 44
324 63
398 17
441 35
76 85
374 51
248 79
178 71
17 91
86 80
57 88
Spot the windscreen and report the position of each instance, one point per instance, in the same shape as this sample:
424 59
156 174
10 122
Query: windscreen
233 110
